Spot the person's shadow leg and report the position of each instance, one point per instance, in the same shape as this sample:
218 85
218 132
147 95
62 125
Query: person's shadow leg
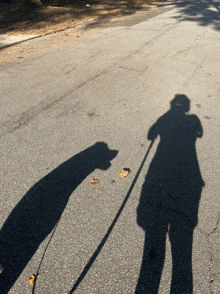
181 236
154 250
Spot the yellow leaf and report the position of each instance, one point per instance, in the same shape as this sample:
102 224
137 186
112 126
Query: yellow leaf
31 280
125 172
94 181
1 269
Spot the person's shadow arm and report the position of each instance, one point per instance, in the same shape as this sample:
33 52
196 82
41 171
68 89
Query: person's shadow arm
199 130
197 126
153 132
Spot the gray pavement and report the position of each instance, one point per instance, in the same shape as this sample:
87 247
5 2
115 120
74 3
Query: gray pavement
111 85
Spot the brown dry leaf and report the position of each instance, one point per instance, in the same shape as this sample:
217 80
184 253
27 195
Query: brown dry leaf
174 196
31 279
199 134
1 269
94 181
125 172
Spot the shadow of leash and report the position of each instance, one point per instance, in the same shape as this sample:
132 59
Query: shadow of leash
105 238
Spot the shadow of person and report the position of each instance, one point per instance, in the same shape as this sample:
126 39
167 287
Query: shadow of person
38 212
170 198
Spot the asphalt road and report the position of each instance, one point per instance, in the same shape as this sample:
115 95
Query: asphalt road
144 95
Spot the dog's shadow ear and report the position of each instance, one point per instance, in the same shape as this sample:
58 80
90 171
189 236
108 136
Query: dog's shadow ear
102 155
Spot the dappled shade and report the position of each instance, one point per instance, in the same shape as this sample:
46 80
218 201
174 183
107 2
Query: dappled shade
204 13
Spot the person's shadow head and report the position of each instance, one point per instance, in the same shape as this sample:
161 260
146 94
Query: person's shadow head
170 198
40 209
180 103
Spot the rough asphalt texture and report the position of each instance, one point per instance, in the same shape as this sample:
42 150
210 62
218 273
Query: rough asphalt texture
111 86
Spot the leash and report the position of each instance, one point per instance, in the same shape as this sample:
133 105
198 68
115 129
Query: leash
105 238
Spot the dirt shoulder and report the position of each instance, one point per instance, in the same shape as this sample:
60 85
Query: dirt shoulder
65 29
55 15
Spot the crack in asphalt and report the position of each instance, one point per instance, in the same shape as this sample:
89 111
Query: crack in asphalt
211 275
147 42
216 226
24 118
133 69
183 51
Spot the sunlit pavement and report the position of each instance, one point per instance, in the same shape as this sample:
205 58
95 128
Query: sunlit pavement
111 85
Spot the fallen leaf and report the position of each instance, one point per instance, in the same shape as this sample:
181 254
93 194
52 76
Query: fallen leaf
199 134
94 181
31 279
1 269
125 172
174 196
